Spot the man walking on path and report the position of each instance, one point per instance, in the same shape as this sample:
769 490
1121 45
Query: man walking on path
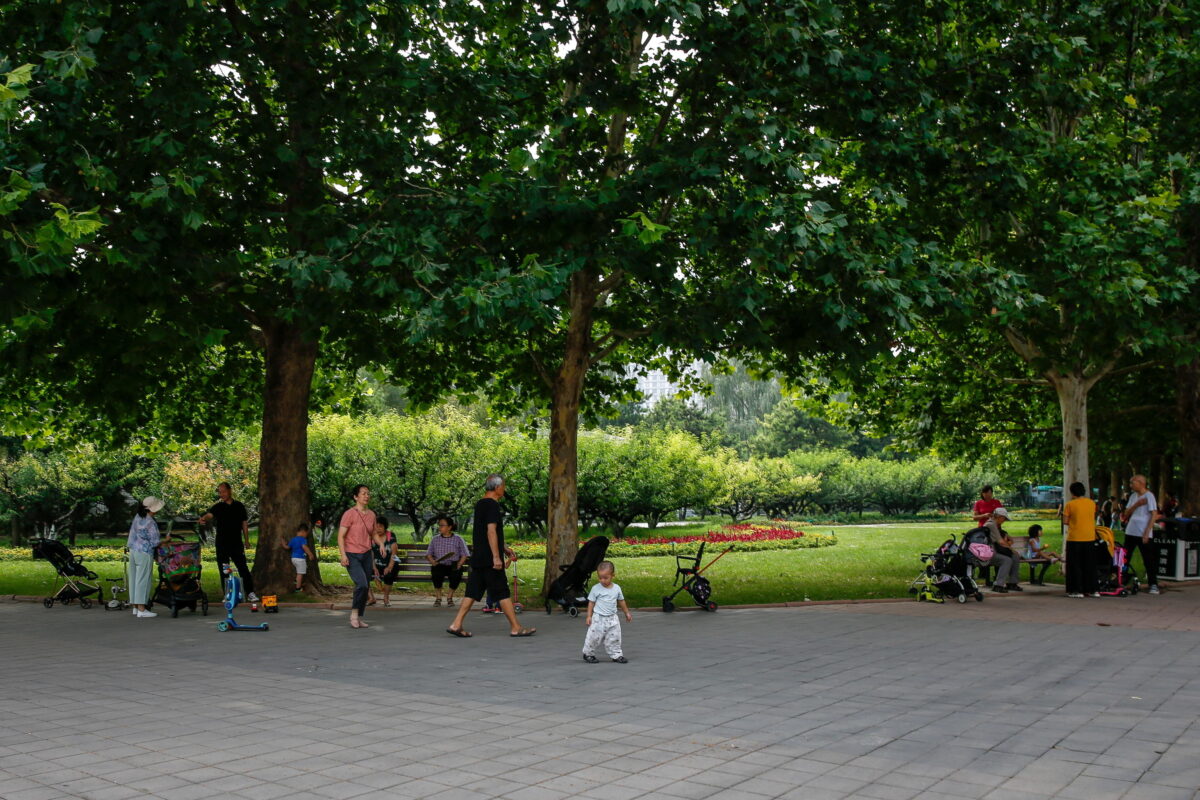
1139 527
487 562
233 535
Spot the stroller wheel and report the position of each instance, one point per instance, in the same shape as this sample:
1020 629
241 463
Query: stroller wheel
222 625
518 608
204 607
710 606
979 597
174 611
548 609
962 598
85 603
48 602
1123 593
668 606
573 611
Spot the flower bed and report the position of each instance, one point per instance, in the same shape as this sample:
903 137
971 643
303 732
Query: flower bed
745 538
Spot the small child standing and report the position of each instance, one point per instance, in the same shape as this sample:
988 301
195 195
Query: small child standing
603 625
301 552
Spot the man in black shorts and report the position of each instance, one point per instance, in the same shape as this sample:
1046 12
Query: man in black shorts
487 562
233 535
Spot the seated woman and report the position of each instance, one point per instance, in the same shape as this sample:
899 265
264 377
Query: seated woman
1035 550
383 554
446 554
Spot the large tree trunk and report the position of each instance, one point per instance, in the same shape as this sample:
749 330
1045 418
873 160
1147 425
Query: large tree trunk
283 496
1073 403
1187 398
562 513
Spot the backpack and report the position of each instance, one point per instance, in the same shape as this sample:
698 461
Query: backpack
983 552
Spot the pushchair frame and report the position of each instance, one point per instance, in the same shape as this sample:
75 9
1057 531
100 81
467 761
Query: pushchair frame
693 580
69 567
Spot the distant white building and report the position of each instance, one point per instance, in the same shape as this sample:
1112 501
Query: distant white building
655 384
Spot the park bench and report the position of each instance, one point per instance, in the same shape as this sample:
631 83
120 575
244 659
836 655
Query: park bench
414 567
1018 547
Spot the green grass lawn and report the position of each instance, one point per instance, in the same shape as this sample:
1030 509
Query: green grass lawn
869 561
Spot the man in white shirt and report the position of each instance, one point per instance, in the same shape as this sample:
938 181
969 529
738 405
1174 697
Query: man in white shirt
1139 527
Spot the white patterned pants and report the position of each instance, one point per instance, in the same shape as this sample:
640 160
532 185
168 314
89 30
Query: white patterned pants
606 631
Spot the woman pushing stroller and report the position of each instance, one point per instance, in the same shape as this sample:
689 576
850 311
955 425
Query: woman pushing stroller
144 538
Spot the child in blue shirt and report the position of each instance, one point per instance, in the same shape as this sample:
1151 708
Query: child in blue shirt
604 627
301 553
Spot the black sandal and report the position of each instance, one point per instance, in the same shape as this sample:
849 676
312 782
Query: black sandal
460 633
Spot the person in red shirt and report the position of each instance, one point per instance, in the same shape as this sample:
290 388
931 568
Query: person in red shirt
985 506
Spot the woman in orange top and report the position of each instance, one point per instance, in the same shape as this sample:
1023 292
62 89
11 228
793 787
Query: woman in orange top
1079 515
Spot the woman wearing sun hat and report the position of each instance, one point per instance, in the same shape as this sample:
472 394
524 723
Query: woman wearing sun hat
143 539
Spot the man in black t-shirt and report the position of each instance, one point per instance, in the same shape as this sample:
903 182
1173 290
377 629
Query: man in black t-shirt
233 535
488 555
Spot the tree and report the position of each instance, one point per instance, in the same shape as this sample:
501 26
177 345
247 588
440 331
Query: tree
676 413
51 489
1056 203
249 185
665 179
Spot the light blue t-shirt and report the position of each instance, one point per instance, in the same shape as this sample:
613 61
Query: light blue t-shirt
605 599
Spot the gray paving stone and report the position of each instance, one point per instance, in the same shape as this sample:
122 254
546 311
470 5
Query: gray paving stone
827 703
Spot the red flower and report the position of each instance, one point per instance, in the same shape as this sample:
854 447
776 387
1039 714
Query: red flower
742 532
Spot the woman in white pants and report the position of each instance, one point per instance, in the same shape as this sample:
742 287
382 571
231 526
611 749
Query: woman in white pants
143 539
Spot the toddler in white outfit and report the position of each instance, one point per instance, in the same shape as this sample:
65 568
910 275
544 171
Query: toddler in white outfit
604 627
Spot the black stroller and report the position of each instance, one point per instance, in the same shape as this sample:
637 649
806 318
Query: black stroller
949 572
71 569
570 589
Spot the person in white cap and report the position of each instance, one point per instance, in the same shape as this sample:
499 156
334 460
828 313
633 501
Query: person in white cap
143 539
1002 544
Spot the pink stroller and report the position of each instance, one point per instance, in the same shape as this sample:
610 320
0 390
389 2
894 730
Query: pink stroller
1117 579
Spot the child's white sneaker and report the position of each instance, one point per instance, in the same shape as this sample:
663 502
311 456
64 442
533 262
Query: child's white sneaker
146 614
1154 590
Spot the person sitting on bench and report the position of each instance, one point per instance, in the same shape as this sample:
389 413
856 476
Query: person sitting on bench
1036 551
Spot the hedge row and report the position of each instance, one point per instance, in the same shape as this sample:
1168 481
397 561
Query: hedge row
527 550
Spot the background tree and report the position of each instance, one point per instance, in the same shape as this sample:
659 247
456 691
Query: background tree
665 175
1056 203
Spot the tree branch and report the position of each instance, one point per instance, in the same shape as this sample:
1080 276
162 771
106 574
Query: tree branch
540 365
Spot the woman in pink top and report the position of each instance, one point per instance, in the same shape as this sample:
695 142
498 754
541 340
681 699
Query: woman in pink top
354 543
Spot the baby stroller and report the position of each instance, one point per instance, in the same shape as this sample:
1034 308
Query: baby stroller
949 572
1114 576
179 585
71 569
570 589
694 582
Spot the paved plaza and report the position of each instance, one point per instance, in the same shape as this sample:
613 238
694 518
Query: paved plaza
1017 697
